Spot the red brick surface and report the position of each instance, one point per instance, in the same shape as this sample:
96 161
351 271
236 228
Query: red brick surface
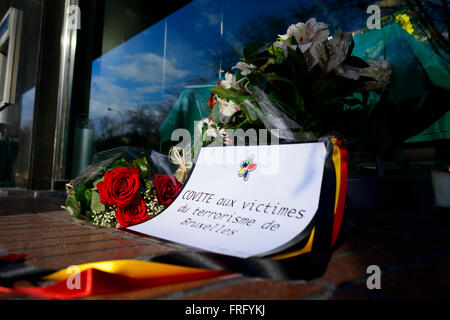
413 254
173 291
260 289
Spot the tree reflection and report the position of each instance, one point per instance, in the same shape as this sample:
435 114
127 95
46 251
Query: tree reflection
141 125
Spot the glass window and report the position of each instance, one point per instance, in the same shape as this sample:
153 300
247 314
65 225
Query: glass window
155 65
16 119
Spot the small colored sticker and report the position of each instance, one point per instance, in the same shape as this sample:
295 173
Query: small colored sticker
247 166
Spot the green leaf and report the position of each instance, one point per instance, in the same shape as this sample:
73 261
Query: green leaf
273 96
96 205
80 195
73 207
224 93
119 164
253 49
276 53
332 100
354 61
148 184
300 104
316 73
216 113
353 101
298 65
251 114
274 77
143 167
88 195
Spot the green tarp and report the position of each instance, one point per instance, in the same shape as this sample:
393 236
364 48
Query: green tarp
415 66
192 105
437 131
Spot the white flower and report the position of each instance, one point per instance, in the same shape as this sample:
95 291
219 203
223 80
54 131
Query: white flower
331 53
229 82
348 72
380 71
305 34
226 109
308 33
211 133
341 42
202 122
244 67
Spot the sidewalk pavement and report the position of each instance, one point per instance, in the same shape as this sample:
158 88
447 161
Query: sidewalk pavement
412 251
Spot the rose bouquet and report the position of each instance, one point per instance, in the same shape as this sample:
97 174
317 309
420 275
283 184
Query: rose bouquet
118 193
297 84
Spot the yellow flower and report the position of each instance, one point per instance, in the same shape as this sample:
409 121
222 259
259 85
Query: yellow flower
405 22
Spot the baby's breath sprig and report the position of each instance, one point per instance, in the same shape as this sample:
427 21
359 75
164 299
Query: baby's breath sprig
153 208
104 218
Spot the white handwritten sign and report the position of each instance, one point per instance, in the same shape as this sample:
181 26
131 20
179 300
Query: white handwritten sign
245 201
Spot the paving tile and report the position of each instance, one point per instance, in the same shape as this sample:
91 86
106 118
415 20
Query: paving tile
39 224
40 230
400 224
48 243
259 289
360 239
412 251
51 234
426 279
67 248
58 213
364 294
164 290
63 261
354 266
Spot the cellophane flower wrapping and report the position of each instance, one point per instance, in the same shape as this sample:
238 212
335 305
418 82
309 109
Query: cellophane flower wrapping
117 189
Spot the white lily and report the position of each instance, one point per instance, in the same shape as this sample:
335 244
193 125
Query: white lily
380 71
331 53
211 133
202 122
229 82
348 72
308 33
244 67
226 109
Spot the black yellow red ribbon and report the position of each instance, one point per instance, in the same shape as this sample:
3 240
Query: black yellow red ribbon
339 159
340 165
117 276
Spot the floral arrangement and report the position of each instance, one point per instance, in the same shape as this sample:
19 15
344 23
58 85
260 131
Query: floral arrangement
122 194
297 84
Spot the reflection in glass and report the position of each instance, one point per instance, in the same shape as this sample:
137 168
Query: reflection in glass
162 72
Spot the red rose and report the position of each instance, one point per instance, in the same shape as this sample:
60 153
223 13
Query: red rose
119 186
135 213
166 187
